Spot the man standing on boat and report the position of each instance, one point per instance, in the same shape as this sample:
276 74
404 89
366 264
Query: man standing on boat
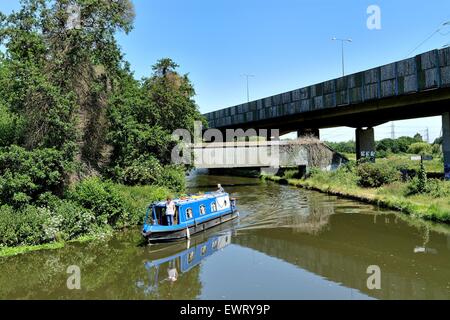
170 211
220 189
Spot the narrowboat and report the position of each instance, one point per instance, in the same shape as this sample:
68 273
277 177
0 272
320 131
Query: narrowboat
193 214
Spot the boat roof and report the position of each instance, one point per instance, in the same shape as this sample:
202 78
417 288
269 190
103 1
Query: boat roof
194 198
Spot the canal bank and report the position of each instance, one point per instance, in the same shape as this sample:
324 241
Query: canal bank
421 206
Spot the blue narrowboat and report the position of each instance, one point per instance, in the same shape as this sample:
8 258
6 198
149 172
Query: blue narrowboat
193 214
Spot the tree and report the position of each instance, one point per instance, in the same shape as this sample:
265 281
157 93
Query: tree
169 97
60 78
421 148
439 141
142 119
418 137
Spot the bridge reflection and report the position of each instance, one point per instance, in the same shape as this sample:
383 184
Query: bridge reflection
343 251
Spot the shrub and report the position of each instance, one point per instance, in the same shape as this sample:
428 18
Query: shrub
72 220
136 200
173 178
421 148
25 175
100 197
26 226
151 172
314 172
433 187
373 175
437 188
63 220
437 149
139 172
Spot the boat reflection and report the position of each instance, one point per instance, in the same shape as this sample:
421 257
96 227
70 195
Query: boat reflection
168 269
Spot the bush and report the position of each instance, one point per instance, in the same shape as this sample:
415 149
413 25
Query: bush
62 220
71 220
173 178
151 172
26 226
421 148
373 175
136 200
102 198
139 172
25 175
433 187
437 149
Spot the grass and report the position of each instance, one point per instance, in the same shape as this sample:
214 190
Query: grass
8 252
393 196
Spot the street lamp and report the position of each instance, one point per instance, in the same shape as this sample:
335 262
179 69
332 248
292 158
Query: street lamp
248 89
342 44
438 30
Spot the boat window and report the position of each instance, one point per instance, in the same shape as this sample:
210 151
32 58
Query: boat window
191 256
189 214
213 207
204 249
202 210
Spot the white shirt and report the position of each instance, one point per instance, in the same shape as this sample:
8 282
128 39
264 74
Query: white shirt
170 208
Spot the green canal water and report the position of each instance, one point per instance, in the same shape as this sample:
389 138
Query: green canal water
288 244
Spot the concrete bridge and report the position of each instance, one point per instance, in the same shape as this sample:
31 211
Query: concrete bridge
266 154
411 88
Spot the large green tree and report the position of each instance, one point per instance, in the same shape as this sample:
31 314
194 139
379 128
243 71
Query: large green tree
59 76
143 116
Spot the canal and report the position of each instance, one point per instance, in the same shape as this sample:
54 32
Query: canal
288 244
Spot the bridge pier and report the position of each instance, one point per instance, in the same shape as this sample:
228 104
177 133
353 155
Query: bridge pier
365 144
446 143
308 132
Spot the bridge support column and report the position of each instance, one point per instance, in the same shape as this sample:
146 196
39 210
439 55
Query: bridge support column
365 144
446 143
308 133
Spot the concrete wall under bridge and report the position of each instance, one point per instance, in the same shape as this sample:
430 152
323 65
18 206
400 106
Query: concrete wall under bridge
267 154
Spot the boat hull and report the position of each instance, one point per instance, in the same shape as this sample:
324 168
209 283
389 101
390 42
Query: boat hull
177 235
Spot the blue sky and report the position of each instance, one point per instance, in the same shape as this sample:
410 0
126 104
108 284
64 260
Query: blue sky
286 44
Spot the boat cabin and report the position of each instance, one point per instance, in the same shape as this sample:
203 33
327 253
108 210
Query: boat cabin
193 208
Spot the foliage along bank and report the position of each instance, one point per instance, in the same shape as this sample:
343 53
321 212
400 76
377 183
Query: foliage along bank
380 185
77 130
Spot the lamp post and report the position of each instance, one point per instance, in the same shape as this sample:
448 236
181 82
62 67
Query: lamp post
248 88
438 30
342 45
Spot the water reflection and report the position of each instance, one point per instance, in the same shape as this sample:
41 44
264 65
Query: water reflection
182 262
